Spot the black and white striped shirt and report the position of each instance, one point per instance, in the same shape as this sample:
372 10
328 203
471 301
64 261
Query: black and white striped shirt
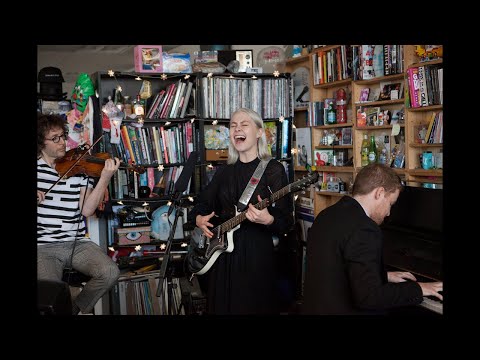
59 216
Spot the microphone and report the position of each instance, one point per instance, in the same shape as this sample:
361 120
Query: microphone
182 183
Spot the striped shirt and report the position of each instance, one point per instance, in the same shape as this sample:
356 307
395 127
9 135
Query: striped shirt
58 216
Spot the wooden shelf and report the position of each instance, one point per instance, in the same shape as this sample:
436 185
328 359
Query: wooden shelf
333 147
427 108
303 108
425 63
335 168
381 79
333 84
297 59
300 168
422 172
378 103
347 124
411 118
369 128
329 193
416 145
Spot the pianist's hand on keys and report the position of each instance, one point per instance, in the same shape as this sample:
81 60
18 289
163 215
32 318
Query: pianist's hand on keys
432 289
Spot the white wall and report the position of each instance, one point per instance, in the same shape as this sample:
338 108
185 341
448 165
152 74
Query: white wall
72 63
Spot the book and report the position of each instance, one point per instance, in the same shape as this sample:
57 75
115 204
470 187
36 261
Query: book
271 136
304 146
422 86
186 100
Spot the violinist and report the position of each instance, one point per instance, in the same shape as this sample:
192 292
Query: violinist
60 213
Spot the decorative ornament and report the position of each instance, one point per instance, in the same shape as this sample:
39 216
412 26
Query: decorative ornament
160 167
276 73
163 77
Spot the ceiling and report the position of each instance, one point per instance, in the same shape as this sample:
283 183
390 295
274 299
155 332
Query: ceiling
105 49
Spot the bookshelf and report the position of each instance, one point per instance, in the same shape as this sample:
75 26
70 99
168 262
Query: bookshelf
384 105
160 142
270 96
430 111
330 73
384 98
165 140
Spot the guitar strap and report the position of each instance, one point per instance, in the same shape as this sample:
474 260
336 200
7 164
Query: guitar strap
252 185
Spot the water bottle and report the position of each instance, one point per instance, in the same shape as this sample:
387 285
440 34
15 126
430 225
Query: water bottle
372 150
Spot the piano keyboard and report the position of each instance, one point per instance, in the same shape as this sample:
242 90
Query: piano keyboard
433 305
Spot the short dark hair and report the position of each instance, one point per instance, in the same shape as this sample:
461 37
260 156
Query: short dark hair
45 123
376 175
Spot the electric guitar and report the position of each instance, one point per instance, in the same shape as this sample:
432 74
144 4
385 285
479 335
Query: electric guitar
204 252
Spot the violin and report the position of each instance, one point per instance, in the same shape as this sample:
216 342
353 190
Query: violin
77 161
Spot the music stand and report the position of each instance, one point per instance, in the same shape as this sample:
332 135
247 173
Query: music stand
180 187
165 269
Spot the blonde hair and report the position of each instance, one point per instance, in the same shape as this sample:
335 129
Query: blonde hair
262 147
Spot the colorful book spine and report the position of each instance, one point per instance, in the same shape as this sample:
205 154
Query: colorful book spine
414 87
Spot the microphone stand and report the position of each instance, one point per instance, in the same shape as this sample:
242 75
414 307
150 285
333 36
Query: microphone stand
166 259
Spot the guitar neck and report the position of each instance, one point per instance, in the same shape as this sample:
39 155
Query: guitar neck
236 220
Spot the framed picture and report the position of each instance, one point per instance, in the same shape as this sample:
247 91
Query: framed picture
148 58
244 57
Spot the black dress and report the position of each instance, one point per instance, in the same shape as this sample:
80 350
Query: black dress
244 281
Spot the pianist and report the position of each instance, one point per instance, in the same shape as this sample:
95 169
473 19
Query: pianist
345 272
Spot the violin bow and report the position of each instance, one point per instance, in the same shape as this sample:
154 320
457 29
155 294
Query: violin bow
73 165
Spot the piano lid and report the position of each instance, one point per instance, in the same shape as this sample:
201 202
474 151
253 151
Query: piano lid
413 233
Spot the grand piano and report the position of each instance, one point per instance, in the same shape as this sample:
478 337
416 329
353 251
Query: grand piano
413 236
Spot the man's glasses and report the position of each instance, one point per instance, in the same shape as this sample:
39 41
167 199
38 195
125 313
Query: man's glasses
57 138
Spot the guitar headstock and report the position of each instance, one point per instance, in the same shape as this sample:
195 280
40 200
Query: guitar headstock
304 182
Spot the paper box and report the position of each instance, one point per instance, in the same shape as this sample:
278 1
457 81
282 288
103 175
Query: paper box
134 235
148 58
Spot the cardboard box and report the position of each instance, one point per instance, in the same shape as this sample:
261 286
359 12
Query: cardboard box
216 155
133 236
148 58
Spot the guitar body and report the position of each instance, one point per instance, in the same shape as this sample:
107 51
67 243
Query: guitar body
204 251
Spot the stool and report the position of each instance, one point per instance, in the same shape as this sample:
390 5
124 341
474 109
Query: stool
53 298
75 280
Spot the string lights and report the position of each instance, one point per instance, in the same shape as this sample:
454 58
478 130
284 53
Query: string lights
164 77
